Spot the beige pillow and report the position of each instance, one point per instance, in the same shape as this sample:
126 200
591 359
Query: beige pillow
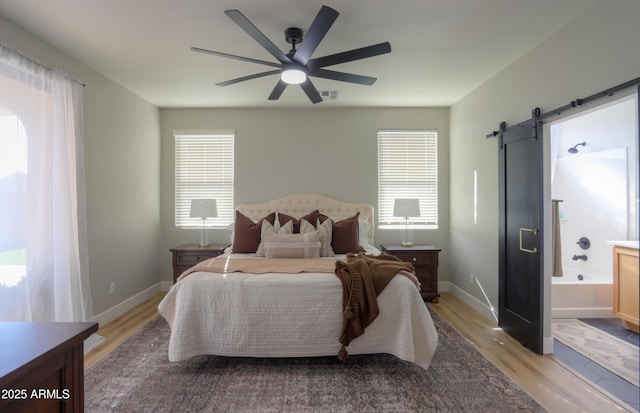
324 234
293 245
268 230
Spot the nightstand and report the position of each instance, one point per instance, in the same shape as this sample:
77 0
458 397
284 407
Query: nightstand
424 259
188 255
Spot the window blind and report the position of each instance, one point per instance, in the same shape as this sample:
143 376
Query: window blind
204 169
408 168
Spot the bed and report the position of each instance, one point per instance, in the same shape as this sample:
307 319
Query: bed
270 313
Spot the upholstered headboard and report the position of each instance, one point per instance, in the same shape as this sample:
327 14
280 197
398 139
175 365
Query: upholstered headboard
298 205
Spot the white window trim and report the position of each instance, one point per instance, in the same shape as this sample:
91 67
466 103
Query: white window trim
204 168
408 168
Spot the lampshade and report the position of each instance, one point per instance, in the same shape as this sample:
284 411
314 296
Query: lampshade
203 208
293 75
406 207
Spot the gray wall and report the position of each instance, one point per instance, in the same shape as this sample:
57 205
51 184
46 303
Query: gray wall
278 152
598 50
122 160
128 144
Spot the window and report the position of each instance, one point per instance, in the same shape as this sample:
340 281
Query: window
408 168
44 271
204 169
13 190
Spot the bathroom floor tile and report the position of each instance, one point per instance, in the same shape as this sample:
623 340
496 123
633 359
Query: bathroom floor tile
598 375
614 327
623 390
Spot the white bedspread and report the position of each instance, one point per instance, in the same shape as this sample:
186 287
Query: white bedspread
289 315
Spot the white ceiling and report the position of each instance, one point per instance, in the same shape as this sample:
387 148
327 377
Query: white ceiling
441 49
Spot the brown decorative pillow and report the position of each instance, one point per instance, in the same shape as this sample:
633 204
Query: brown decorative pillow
344 234
246 233
311 217
293 245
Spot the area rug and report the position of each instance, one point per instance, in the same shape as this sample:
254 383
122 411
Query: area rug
137 377
610 352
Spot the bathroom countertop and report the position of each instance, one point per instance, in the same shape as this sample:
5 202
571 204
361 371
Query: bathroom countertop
628 243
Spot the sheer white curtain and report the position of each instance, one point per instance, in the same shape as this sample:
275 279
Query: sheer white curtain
43 245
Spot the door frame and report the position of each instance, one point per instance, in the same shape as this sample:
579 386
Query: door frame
621 92
547 119
547 239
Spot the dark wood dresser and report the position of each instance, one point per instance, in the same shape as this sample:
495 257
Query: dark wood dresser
188 255
42 366
425 260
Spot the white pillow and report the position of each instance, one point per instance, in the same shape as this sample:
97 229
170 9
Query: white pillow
324 234
363 232
267 230
293 245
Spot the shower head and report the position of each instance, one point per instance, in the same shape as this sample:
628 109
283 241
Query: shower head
574 149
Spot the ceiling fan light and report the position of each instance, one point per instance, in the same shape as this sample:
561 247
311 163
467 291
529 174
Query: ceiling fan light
293 76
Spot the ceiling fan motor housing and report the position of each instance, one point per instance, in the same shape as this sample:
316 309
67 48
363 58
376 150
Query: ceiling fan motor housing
293 35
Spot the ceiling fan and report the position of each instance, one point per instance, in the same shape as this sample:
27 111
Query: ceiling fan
297 66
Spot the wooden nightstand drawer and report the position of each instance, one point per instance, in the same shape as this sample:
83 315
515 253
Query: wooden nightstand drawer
417 258
192 259
425 261
186 256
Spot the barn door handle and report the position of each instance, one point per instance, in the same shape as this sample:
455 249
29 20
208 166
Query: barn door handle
535 232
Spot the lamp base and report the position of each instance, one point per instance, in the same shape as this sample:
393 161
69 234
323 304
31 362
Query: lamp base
204 242
406 242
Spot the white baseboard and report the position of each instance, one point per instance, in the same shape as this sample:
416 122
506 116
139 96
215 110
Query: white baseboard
485 311
128 304
443 286
595 312
471 301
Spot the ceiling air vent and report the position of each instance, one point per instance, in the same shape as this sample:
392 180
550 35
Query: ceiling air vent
330 94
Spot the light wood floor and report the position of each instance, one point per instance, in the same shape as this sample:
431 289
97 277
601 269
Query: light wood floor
123 327
546 379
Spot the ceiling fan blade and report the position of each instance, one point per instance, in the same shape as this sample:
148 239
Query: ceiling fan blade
277 91
350 55
311 91
343 77
242 79
257 35
318 29
232 56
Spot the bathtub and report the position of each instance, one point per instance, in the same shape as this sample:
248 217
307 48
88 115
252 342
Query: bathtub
591 297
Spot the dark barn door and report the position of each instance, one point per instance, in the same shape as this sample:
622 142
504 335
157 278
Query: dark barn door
520 244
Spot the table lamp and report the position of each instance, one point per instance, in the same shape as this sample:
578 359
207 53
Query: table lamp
406 208
203 209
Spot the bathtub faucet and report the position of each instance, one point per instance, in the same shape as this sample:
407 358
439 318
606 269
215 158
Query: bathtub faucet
579 257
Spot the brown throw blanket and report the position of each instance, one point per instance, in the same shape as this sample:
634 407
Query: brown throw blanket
363 278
